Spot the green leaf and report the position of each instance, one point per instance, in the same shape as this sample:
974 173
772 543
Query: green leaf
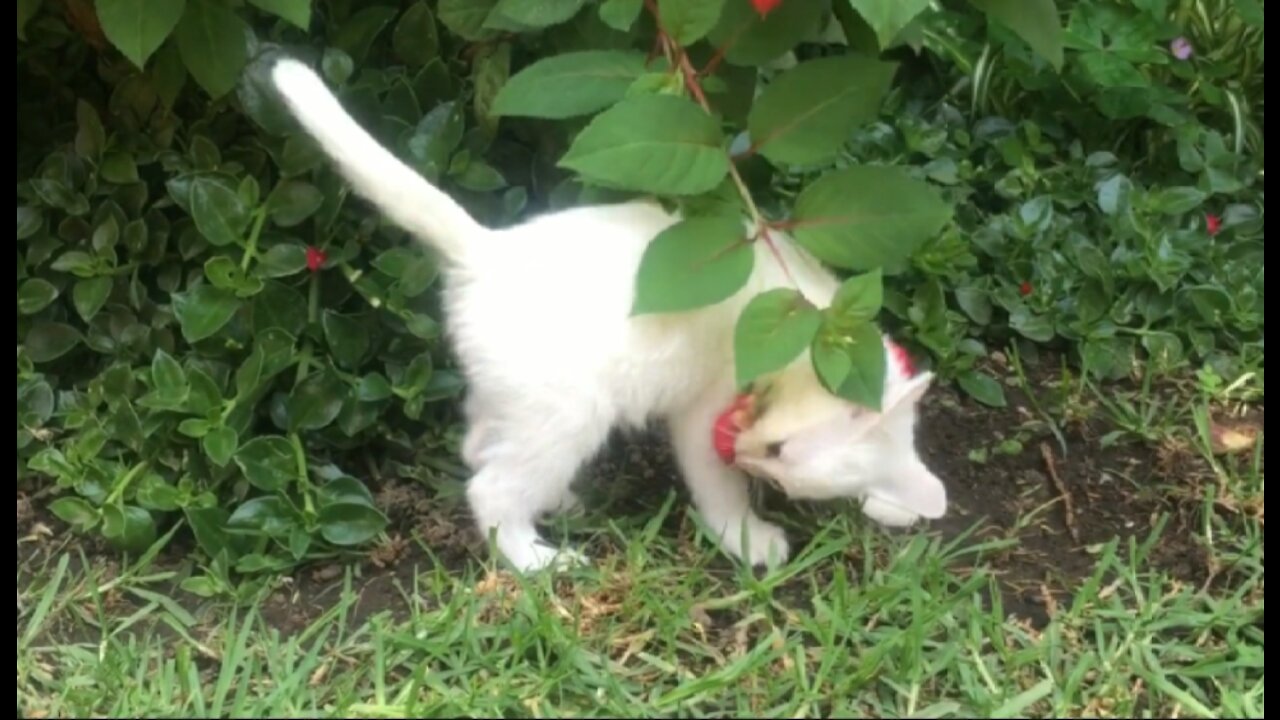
436 136
293 201
220 214
203 311
205 396
282 260
373 388
213 41
315 402
687 21
168 379
35 295
169 74
137 28
750 39
209 527
620 14
866 217
129 528
519 15
851 364
415 40
297 12
1035 21
299 155
1031 326
1113 194
348 524
773 329
888 17
337 65
466 17
1108 358
268 463
48 341
1178 200
1163 348
357 34
201 586
27 10
156 494
858 300
806 115
481 177
576 83
224 273
975 303
348 338
1110 71
119 168
29 221
279 306
344 489
983 388
271 516
220 444
489 72
651 143
194 427
75 512
91 138
1211 303
90 295
414 379
697 262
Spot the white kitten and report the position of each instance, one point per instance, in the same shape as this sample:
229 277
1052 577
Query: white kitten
539 315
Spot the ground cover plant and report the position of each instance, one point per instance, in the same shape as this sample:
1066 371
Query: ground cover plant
238 488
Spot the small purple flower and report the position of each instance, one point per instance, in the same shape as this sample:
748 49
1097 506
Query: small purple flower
1181 48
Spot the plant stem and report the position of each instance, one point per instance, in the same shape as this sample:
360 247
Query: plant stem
128 479
313 313
251 247
304 482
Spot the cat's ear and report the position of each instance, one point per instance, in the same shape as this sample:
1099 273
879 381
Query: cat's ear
914 489
907 393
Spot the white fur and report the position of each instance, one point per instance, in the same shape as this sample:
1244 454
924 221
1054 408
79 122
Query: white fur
539 315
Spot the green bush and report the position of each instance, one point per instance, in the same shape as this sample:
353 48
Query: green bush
210 329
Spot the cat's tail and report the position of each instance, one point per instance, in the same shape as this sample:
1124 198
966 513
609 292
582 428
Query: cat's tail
396 189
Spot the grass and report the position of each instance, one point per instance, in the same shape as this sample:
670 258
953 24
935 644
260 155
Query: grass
861 623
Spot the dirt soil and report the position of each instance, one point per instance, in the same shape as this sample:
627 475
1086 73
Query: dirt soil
1085 496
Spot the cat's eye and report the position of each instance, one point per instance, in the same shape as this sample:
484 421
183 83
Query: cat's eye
773 450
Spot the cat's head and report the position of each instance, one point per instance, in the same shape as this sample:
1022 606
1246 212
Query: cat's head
813 445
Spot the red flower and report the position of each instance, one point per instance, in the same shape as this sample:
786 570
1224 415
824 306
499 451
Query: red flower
725 429
1213 224
902 359
1025 288
316 258
764 6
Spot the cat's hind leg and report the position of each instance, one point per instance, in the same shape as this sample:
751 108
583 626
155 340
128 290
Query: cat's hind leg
526 471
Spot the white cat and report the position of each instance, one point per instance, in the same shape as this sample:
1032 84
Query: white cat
539 316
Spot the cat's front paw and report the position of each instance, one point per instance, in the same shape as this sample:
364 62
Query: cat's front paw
538 556
765 543
888 515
